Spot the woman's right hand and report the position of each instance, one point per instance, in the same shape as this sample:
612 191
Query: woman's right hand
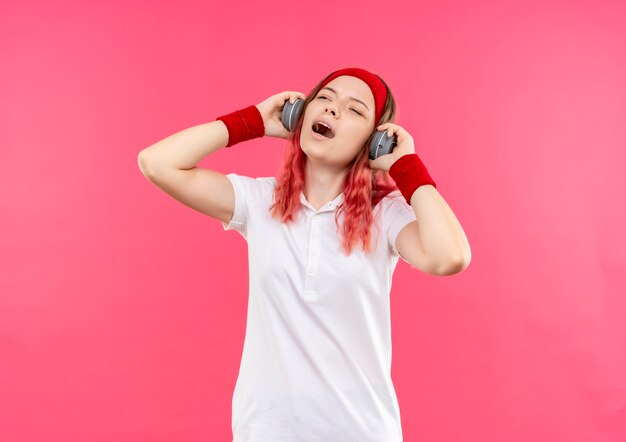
271 111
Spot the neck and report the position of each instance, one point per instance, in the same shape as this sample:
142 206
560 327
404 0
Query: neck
322 184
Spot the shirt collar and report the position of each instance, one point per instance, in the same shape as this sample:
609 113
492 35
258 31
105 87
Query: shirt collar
326 207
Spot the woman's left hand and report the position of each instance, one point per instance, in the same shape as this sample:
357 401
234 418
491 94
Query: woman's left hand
404 146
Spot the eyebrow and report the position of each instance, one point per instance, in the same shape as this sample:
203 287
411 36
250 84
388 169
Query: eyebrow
352 98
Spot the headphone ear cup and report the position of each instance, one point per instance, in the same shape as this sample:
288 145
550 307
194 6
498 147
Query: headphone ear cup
291 113
382 144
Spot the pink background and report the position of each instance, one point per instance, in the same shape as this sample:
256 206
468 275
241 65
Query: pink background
122 312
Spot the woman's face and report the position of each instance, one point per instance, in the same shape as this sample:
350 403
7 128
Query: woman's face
348 104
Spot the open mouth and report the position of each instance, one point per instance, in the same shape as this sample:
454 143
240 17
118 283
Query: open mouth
322 129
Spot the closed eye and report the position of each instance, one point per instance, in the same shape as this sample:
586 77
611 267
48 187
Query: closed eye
322 96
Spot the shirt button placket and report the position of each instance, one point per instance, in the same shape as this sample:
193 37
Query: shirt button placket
314 245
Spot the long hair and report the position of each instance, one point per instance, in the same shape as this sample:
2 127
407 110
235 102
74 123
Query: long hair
364 187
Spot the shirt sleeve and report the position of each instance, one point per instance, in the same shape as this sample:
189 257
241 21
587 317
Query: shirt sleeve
397 215
248 191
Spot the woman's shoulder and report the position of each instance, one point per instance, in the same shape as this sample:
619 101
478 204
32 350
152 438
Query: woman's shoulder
249 180
253 189
389 199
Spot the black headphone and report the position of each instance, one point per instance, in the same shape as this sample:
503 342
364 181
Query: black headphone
381 144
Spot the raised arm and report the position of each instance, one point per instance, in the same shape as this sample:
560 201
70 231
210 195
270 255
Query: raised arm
171 164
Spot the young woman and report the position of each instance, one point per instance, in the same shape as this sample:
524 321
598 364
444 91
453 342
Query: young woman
324 238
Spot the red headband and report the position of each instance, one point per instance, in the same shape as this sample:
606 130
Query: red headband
375 84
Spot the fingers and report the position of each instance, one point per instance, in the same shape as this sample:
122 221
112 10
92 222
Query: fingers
293 96
390 127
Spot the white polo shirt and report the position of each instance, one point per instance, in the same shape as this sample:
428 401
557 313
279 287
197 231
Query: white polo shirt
316 362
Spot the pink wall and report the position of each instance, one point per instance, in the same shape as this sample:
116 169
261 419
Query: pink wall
117 319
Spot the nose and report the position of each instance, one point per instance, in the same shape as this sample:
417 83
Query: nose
330 106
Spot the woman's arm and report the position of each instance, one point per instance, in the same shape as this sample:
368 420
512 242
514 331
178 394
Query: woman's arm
170 164
436 243
184 149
